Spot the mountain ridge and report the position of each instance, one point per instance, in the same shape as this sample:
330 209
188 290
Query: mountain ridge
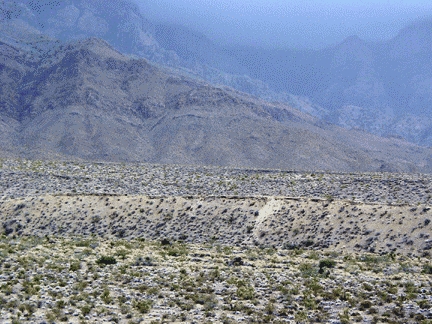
88 101
85 99
390 88
388 81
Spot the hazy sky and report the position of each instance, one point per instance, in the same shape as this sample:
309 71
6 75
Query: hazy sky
285 23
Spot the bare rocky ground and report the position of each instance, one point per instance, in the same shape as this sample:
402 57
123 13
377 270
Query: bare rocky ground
207 244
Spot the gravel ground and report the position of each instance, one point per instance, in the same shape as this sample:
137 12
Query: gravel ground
23 178
138 243
71 280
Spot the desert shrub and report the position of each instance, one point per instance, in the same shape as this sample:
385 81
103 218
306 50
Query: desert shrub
367 286
301 317
86 309
83 243
373 310
176 250
309 301
105 260
270 308
365 304
307 270
313 255
186 305
75 266
327 263
344 317
423 304
144 261
106 296
246 292
427 269
122 253
143 306
29 288
372 259
60 303
314 285
153 290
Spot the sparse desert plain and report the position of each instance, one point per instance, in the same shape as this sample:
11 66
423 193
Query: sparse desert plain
140 243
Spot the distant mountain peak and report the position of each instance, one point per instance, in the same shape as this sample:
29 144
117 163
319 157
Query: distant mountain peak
353 41
419 31
422 25
415 39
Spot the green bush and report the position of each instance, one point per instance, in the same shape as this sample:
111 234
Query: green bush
344 317
104 260
175 250
246 292
307 270
75 266
327 263
427 269
86 309
106 296
143 306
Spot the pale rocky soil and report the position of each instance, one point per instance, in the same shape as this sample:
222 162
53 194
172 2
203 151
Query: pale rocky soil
263 222
241 245
56 279
23 178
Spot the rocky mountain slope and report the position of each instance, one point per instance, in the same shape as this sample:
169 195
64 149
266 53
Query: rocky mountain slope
30 24
381 88
120 22
86 100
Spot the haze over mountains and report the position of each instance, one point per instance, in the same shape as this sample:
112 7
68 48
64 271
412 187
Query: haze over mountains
64 95
384 88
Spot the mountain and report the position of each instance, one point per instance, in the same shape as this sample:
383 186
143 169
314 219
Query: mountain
119 21
195 48
65 95
40 25
398 85
384 88
85 99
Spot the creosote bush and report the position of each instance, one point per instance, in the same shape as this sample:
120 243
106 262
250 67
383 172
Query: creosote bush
143 306
427 269
327 263
105 260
